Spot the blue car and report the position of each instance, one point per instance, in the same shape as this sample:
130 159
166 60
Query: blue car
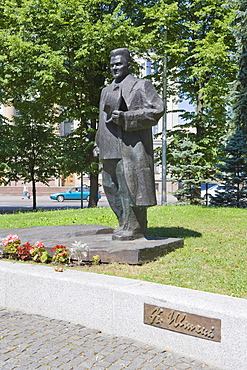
73 194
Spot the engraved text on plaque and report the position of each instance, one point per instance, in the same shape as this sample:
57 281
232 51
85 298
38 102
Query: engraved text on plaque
182 322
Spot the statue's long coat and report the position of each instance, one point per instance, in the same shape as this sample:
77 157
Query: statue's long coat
133 142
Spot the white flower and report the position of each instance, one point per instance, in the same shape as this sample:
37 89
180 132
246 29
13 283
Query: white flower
78 251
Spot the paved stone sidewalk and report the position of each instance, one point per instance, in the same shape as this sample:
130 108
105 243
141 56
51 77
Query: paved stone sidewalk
34 342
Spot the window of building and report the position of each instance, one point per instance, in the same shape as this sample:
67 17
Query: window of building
67 127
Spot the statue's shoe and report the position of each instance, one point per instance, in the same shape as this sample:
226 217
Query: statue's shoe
127 235
116 231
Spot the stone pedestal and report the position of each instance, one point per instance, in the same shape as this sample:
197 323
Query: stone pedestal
99 241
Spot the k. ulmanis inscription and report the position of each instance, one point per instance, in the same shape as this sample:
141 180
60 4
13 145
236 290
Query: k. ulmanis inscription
182 322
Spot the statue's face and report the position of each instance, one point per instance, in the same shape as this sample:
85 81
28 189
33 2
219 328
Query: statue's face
120 68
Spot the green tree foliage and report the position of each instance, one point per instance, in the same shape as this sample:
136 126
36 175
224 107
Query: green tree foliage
33 148
185 152
6 146
240 92
233 166
201 59
201 62
233 173
200 51
188 170
205 65
75 153
59 51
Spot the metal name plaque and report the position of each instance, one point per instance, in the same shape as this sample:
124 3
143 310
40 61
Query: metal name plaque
182 322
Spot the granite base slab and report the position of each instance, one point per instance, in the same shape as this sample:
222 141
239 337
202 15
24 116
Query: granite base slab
99 241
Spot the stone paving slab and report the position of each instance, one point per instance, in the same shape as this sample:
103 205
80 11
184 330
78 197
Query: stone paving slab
34 342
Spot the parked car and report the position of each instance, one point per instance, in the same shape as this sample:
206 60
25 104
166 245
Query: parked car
212 188
73 194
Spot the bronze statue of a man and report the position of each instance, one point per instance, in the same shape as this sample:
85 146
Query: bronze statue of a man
129 107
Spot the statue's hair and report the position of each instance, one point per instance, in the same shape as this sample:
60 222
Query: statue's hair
121 51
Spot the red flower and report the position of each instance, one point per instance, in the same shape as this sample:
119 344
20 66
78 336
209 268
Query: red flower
58 247
24 251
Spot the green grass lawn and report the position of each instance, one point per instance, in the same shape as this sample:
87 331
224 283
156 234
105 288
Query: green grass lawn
214 257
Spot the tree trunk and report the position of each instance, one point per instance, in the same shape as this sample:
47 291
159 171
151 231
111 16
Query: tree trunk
199 133
94 177
94 184
93 200
34 194
199 110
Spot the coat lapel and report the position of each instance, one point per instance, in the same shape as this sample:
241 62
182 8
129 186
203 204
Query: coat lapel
112 99
127 87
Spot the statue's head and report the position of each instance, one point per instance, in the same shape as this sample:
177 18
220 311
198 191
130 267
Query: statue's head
120 63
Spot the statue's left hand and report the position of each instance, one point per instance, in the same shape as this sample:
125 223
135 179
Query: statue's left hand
118 117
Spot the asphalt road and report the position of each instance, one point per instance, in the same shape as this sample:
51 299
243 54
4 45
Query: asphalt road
10 203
